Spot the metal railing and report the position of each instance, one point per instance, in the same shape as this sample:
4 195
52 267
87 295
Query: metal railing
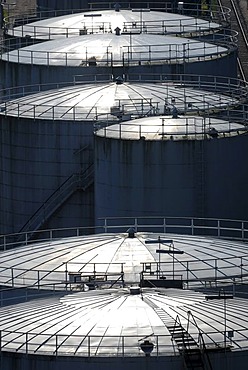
187 25
230 98
91 345
125 55
233 87
220 228
190 128
214 13
64 277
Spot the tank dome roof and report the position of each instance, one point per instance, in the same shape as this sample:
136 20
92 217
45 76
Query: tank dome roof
113 48
111 100
115 322
174 127
105 21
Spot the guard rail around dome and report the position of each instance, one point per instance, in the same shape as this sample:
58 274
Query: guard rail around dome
125 56
33 342
234 87
73 276
190 26
211 13
220 228
190 128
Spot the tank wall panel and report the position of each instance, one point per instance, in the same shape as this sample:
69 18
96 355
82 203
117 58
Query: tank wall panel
10 361
62 4
169 178
37 157
14 74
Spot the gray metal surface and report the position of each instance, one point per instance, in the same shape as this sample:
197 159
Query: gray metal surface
115 323
178 128
106 21
109 49
50 263
110 101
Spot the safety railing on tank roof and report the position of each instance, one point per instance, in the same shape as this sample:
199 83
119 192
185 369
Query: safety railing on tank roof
35 342
65 276
190 26
193 124
230 93
191 127
213 13
126 55
234 87
220 228
71 276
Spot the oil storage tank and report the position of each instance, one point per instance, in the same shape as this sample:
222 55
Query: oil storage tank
174 166
117 53
121 327
47 141
124 325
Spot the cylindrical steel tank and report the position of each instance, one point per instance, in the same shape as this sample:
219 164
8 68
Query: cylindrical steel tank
116 328
60 60
47 141
128 323
178 166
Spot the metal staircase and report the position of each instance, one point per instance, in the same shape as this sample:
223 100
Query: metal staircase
194 352
188 347
77 181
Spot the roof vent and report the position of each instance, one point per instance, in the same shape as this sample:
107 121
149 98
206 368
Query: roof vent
131 232
117 31
147 347
117 7
119 80
134 290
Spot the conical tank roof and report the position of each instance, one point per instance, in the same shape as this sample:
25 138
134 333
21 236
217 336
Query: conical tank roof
116 323
106 21
113 49
175 127
51 263
112 101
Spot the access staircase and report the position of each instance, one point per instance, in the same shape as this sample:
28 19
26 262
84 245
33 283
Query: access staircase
77 181
194 355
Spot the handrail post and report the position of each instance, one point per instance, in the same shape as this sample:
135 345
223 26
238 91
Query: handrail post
123 346
26 343
218 226
12 276
56 345
88 346
192 226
